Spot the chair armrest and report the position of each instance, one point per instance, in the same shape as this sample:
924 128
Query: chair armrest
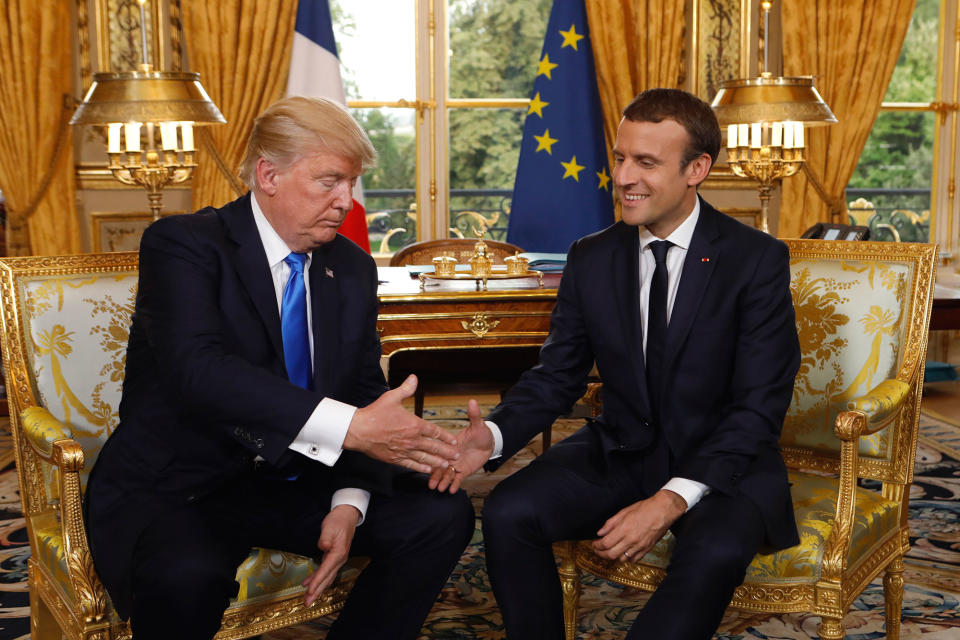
90 597
880 405
42 430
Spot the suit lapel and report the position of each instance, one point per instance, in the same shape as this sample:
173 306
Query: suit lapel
626 281
252 268
325 311
697 268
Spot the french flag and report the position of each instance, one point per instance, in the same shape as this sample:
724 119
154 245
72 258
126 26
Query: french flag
315 72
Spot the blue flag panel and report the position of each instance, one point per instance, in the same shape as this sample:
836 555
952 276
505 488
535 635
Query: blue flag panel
563 188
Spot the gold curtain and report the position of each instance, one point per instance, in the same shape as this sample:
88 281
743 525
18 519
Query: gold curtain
637 45
241 48
36 141
851 47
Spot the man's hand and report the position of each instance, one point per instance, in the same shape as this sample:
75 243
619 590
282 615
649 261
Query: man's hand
632 531
336 534
475 444
386 431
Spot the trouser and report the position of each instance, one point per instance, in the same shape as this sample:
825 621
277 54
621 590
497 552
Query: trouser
548 502
185 561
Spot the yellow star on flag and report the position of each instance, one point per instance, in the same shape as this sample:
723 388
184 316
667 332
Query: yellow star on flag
537 105
545 67
571 37
604 179
545 142
572 169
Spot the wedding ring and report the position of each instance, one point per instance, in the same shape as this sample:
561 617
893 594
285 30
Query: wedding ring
455 470
626 554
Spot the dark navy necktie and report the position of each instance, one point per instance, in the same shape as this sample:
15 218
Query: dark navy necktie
657 323
293 324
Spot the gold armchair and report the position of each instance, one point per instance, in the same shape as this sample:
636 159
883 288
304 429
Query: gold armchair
862 314
65 328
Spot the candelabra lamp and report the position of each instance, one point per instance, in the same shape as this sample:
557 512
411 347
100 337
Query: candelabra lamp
150 118
765 119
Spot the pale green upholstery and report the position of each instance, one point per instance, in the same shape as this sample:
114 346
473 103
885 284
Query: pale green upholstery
65 329
851 333
862 312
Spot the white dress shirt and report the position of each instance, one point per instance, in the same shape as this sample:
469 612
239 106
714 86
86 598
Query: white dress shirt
321 438
690 490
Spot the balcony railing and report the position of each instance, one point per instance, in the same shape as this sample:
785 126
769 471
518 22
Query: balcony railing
392 215
898 214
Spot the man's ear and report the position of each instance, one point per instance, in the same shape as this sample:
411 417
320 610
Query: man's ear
266 176
698 169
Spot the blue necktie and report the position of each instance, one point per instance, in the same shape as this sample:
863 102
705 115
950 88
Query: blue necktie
657 323
293 324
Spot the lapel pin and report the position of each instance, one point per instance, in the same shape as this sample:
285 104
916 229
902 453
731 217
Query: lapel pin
704 259
329 272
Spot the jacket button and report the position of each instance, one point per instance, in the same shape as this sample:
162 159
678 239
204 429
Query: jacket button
259 443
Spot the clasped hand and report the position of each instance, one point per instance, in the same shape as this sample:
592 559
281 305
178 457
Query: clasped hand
384 430
475 444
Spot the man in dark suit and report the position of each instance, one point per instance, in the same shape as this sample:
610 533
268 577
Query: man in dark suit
696 346
253 343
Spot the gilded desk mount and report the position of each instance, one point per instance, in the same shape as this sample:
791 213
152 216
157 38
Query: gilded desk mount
481 267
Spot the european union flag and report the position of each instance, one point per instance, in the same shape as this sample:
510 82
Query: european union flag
563 188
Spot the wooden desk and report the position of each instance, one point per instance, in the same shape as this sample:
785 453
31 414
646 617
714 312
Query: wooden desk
946 300
453 314
486 337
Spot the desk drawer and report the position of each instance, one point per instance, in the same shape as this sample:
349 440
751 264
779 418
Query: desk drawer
446 326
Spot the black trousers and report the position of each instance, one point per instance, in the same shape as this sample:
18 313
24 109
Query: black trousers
185 562
547 502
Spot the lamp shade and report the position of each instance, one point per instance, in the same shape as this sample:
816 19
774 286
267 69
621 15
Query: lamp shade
147 96
769 99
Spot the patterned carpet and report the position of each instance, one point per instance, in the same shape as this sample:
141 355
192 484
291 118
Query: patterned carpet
467 610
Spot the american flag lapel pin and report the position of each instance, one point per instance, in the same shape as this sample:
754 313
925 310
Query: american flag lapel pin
328 271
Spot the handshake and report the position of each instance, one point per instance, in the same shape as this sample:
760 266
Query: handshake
384 430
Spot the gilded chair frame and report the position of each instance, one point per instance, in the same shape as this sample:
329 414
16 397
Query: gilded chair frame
893 404
84 610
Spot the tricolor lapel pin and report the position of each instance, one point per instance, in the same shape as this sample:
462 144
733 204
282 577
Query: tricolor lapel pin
704 259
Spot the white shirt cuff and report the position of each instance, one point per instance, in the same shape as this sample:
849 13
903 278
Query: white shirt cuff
690 490
321 438
357 498
497 439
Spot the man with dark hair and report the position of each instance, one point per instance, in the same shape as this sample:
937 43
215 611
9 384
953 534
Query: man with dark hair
255 412
688 317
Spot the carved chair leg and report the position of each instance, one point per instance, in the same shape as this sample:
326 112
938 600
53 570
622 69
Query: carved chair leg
570 583
893 596
831 629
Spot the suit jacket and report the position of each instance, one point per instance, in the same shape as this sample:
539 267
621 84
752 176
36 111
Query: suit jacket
206 389
729 364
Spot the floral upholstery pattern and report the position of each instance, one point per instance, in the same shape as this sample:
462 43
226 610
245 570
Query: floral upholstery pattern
851 335
76 337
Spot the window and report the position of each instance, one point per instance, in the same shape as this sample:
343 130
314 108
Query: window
903 186
442 88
